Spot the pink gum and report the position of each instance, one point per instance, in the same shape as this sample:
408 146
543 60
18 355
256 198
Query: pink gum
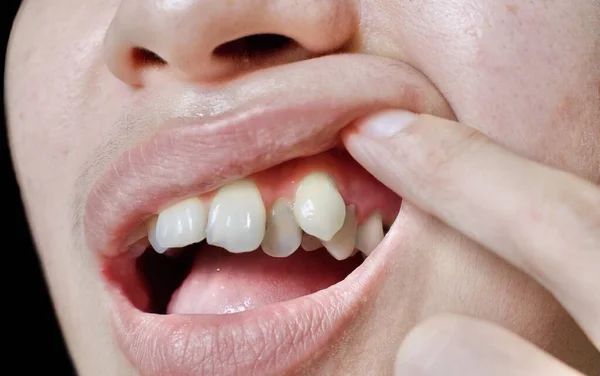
355 184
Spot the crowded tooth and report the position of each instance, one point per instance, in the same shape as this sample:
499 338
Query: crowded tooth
341 246
310 243
152 237
282 236
237 218
318 206
369 234
182 224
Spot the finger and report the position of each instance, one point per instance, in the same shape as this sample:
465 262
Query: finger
542 220
451 345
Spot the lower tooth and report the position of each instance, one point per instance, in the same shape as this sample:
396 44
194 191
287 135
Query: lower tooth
310 243
341 246
282 236
369 234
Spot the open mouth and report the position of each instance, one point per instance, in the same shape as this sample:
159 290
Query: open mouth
277 235
241 238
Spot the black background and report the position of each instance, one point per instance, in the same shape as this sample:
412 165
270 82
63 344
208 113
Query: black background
34 341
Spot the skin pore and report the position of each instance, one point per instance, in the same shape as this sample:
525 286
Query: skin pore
524 74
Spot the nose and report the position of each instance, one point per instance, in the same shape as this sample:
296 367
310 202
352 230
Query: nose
209 40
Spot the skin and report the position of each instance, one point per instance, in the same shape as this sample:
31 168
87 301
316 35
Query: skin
522 74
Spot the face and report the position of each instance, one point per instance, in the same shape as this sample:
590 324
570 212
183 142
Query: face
195 125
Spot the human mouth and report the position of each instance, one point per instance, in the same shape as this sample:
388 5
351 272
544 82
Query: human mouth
249 227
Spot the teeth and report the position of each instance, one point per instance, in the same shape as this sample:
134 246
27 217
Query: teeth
237 218
318 206
310 243
369 234
152 237
282 236
341 246
181 224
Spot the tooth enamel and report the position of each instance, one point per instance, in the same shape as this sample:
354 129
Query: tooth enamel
282 236
341 246
318 206
181 224
237 218
310 243
152 237
369 234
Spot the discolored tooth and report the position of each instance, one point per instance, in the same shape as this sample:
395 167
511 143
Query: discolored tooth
318 206
282 236
341 246
151 225
237 218
182 224
369 234
310 243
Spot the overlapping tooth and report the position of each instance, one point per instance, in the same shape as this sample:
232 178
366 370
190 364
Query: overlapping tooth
341 246
152 237
369 234
319 207
237 217
282 235
310 243
181 224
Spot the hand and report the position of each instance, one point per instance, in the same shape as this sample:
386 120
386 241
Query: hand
542 220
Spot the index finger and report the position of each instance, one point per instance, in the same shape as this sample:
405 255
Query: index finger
542 220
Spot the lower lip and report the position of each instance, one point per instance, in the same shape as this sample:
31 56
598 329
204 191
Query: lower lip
270 340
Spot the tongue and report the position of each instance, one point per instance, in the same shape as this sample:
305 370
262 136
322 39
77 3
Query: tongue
221 282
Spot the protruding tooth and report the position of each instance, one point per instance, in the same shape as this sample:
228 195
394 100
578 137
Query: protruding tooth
152 237
318 206
369 234
282 236
237 218
182 224
310 243
341 246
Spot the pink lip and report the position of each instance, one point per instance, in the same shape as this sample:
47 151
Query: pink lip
261 120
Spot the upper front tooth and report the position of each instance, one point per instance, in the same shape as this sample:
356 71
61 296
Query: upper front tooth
341 246
237 218
181 224
369 234
282 236
318 206
152 237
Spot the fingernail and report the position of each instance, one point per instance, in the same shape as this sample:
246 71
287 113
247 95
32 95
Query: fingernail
387 123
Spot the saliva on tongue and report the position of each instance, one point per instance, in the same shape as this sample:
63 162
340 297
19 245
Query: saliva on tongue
221 282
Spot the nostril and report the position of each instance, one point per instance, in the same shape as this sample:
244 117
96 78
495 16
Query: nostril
143 57
254 46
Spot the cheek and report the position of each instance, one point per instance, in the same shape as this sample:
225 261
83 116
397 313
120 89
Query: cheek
57 92
524 73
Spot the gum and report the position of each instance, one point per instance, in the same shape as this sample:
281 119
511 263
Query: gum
354 183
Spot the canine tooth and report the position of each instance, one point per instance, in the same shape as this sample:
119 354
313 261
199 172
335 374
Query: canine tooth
310 243
182 224
341 246
237 217
152 237
369 234
318 206
282 236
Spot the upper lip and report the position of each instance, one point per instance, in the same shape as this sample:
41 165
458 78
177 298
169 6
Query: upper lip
208 138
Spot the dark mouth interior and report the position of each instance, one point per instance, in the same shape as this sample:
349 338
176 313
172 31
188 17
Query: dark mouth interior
161 275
